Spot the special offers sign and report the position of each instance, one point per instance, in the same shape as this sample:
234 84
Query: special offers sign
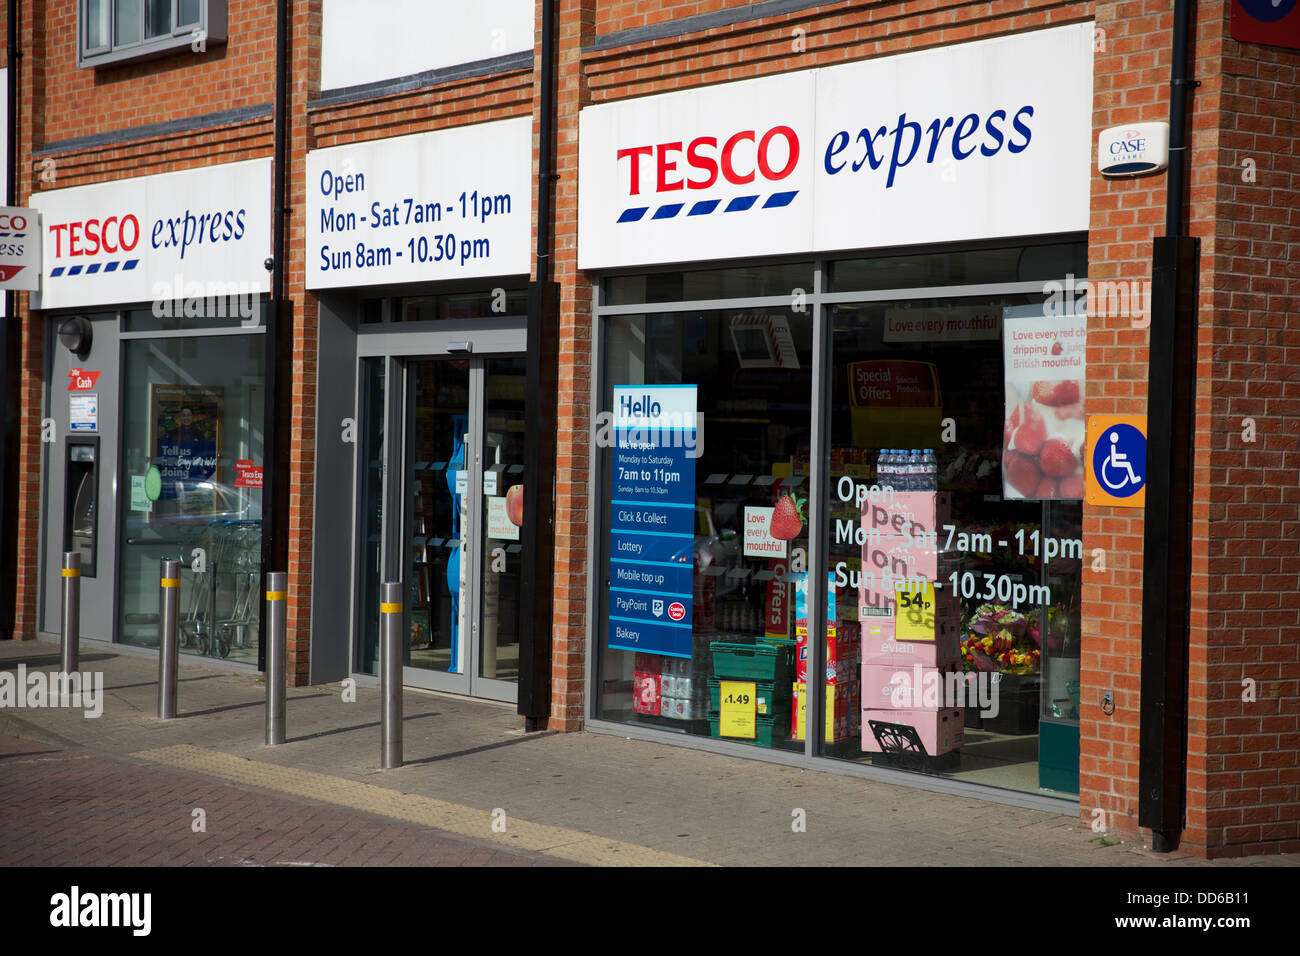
135 240
450 204
975 140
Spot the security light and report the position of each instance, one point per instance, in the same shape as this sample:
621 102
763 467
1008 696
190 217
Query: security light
76 335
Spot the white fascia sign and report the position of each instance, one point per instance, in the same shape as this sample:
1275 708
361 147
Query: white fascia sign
969 141
450 204
201 233
20 249
1133 150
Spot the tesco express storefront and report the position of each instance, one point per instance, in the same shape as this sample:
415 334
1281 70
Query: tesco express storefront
834 396
153 300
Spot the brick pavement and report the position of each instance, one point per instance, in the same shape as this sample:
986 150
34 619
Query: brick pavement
474 755
73 808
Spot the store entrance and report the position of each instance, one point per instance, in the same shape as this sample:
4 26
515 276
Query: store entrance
451 528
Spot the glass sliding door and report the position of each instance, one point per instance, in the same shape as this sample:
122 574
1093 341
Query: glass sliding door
452 481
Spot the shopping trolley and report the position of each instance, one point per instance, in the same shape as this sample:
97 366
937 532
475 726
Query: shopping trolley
223 601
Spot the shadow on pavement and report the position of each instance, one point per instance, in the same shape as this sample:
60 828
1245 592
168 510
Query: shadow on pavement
254 703
347 730
475 750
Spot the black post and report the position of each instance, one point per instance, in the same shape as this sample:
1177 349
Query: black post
279 343
10 366
1171 423
537 537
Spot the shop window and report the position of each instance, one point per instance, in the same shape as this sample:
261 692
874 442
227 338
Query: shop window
784 279
690 579
474 304
980 266
953 519
191 488
954 537
115 31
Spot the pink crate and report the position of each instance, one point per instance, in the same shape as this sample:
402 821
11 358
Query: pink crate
901 686
879 649
941 731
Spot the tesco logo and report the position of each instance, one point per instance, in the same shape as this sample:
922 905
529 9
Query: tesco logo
743 158
12 223
739 160
90 237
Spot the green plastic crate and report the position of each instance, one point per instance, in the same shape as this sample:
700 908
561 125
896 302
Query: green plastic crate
769 699
768 731
770 661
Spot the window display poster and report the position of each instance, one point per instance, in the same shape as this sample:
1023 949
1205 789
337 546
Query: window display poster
499 525
185 422
1044 430
652 519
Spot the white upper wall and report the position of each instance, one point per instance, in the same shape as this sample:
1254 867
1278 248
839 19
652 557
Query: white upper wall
365 41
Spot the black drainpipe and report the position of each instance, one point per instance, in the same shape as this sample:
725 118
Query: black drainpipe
10 367
279 345
1167 536
537 536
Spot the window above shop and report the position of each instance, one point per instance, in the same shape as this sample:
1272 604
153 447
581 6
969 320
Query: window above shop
117 31
736 282
452 305
978 266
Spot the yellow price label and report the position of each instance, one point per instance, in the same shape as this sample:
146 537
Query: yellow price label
914 611
738 716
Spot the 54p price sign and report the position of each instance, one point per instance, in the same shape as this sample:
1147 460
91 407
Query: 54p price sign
914 610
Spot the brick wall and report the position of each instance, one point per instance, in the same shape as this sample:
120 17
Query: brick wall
1244 778
1242 774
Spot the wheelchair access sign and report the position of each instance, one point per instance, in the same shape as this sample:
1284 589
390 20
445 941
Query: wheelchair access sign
1116 472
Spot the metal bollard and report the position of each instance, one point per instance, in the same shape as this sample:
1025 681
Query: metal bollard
70 650
169 593
390 672
277 656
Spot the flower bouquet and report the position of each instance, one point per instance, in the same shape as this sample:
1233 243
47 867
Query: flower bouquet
1001 639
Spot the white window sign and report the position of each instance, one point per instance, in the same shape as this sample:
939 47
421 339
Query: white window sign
450 204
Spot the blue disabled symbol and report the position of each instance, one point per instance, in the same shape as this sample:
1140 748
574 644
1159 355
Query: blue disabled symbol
1119 460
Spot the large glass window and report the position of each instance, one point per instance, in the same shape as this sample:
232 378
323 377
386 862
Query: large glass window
191 485
689 584
953 456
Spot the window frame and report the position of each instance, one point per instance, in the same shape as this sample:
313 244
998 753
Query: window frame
212 22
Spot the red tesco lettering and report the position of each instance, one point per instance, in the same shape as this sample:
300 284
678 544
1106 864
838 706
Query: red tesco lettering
90 237
703 161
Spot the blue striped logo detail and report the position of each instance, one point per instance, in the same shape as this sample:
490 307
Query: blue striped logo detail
111 266
706 206
13 235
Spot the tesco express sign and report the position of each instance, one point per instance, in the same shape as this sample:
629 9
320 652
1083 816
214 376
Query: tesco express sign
979 140
115 242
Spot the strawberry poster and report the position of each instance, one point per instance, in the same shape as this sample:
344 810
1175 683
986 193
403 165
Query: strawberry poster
652 519
1044 429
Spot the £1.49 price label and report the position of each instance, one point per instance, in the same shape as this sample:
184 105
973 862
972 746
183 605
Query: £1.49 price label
739 710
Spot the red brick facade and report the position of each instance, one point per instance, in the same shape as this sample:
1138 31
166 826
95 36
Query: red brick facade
1243 775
